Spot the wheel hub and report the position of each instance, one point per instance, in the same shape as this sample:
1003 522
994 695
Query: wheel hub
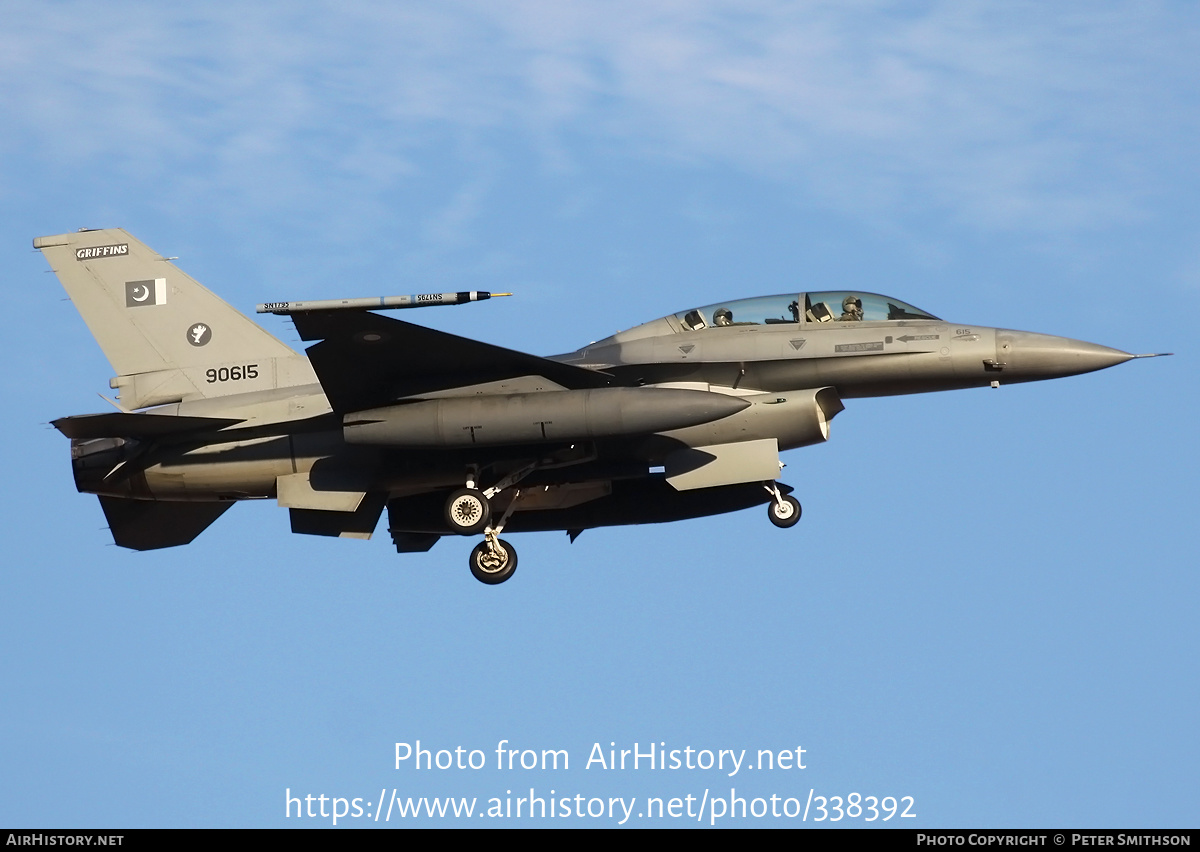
467 511
493 561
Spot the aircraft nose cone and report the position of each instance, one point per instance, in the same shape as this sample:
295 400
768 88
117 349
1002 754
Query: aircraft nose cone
1042 356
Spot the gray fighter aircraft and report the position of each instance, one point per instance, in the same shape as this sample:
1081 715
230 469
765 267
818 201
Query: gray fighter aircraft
682 417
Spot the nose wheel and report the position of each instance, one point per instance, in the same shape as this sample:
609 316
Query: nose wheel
784 510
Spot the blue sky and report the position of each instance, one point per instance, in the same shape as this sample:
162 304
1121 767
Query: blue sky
990 603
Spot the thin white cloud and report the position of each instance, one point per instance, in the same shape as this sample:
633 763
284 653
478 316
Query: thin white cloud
1001 115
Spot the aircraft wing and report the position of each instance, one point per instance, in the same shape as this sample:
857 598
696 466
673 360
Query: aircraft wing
365 360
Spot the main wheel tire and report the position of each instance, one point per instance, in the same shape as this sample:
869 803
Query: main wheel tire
493 568
786 514
468 511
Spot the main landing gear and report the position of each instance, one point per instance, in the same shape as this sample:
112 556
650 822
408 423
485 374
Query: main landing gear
469 511
784 510
493 560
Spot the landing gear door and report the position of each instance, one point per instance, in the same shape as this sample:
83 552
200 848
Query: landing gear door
723 464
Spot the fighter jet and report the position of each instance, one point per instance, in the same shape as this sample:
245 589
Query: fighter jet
681 417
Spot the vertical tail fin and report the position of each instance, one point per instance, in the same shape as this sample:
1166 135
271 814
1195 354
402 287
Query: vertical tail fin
166 336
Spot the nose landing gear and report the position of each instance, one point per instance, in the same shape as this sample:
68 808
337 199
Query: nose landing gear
784 511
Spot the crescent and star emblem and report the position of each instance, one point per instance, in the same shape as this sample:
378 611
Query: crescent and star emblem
139 294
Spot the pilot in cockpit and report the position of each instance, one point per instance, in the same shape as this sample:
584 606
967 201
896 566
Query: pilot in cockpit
852 310
723 317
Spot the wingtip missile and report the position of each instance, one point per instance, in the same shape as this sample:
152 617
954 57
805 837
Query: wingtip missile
375 303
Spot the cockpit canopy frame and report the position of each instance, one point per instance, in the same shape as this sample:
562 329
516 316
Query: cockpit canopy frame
799 308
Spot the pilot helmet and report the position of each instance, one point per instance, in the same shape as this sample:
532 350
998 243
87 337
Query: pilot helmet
851 302
723 316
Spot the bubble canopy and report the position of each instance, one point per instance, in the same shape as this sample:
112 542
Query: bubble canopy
828 306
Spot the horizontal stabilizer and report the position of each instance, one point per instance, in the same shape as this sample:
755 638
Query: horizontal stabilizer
366 360
115 424
151 525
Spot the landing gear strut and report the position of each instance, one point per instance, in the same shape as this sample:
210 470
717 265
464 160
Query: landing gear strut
784 510
494 560
469 511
